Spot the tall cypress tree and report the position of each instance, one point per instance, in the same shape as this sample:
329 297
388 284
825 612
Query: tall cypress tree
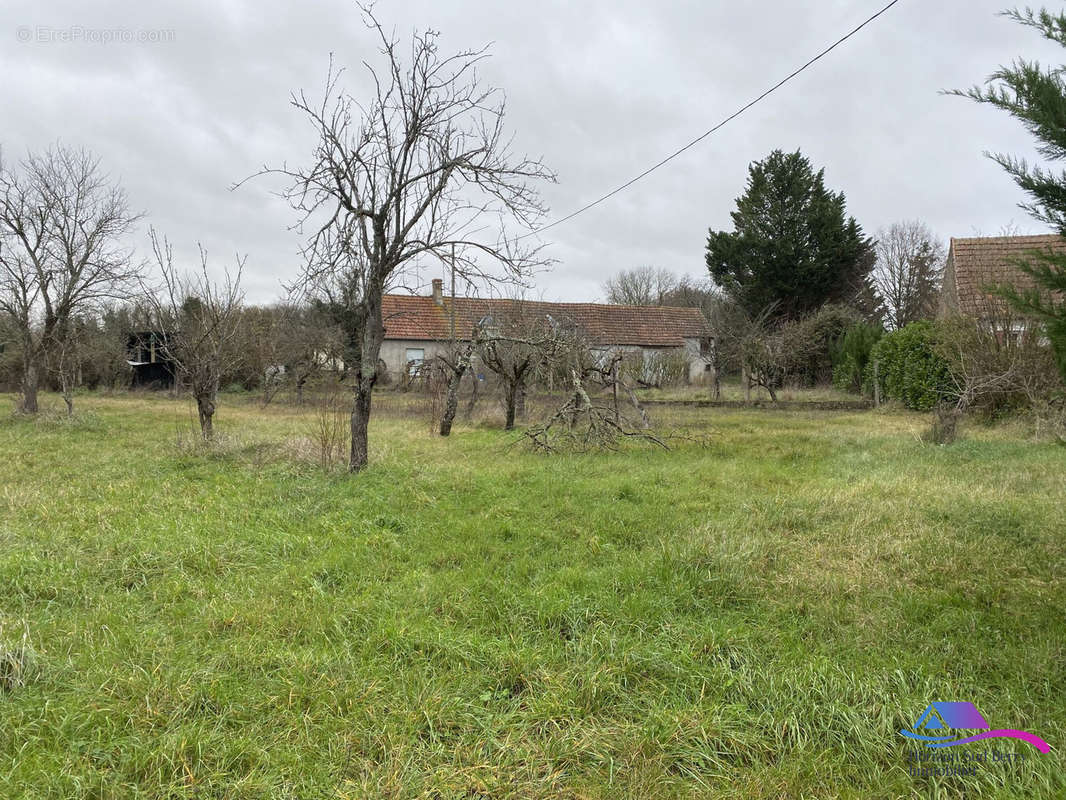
1037 97
793 245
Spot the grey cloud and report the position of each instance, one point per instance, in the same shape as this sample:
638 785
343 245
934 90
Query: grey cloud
600 89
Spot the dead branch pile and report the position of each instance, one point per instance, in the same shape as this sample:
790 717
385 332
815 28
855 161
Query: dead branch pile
583 424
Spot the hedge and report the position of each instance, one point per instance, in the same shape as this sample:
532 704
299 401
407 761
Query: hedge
908 367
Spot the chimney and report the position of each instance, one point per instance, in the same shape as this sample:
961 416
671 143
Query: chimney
438 291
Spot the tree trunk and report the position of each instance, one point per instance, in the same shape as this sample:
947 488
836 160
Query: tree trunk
475 393
511 398
771 392
300 390
205 405
451 402
945 423
366 376
614 391
520 402
359 456
68 395
28 388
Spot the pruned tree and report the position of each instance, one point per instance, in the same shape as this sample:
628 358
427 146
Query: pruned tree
643 286
514 347
199 321
907 273
62 224
417 168
764 354
454 362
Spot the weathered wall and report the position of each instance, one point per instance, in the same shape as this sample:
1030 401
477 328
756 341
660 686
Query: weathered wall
699 368
394 354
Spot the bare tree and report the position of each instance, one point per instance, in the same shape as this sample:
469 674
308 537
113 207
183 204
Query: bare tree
454 362
906 276
515 344
61 226
693 293
65 355
199 322
417 169
266 334
643 286
313 346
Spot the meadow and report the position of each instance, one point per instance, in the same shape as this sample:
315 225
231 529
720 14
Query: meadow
752 614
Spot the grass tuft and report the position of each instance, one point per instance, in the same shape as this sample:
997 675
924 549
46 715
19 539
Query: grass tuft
18 661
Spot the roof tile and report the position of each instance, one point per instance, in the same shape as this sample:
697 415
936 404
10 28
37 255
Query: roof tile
991 260
418 317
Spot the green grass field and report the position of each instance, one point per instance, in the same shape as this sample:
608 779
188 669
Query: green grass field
753 615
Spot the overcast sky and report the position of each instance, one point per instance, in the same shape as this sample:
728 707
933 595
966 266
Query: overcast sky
600 88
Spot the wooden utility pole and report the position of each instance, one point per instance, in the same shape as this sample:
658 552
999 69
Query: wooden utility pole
453 294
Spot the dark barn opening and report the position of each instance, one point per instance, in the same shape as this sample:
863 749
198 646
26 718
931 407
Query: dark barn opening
146 355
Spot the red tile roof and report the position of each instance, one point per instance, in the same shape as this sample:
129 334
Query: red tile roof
418 317
989 261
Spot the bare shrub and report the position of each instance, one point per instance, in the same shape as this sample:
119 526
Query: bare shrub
328 430
945 426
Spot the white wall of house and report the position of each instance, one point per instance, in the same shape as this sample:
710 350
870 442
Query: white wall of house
396 353
700 370
399 353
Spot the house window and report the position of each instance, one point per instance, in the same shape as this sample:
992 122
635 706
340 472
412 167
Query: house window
415 358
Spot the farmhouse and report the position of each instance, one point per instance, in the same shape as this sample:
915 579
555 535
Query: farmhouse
975 264
418 327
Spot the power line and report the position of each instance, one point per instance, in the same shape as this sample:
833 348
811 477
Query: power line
720 125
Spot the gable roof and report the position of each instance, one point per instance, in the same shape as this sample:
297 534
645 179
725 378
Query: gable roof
989 260
419 317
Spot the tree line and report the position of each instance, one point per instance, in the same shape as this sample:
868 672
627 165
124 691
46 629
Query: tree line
423 171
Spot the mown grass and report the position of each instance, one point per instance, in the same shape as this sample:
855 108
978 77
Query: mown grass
752 614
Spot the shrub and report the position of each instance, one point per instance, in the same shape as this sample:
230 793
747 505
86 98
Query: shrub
810 342
851 355
998 371
909 367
